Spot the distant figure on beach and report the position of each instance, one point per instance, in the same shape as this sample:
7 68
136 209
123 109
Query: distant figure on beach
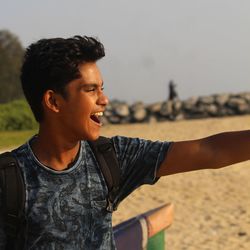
68 203
172 91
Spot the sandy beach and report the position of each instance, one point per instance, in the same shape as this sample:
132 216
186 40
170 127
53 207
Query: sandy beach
212 207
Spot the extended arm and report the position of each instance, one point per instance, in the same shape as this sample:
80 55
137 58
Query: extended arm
215 151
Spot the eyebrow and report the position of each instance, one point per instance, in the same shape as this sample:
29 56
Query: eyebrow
91 85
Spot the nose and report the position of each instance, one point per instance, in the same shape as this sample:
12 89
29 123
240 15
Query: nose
103 100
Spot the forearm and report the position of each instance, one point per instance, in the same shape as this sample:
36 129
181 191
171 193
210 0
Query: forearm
228 148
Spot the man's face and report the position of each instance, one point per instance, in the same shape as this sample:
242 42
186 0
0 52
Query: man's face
80 112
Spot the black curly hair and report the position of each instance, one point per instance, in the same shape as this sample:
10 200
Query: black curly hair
52 64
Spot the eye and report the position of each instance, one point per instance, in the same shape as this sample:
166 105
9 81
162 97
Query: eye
91 90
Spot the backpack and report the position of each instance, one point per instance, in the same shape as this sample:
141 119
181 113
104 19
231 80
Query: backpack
13 191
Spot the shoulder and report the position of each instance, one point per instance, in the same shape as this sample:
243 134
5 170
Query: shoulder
120 141
21 150
137 148
123 141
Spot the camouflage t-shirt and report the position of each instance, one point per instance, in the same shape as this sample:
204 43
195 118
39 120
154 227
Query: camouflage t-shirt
67 209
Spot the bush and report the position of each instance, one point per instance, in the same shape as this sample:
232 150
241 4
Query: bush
16 115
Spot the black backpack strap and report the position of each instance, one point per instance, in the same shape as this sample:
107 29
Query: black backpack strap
105 154
13 197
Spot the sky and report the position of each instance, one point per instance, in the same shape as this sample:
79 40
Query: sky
202 45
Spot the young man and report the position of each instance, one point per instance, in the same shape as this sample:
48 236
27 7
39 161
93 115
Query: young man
65 205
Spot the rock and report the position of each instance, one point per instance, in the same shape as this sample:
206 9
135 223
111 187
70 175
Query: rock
177 105
229 111
211 109
155 107
244 108
137 105
138 112
108 113
109 107
166 109
192 108
238 104
104 120
246 96
234 102
207 100
190 103
114 119
139 115
196 112
121 109
223 111
221 99
179 117
125 120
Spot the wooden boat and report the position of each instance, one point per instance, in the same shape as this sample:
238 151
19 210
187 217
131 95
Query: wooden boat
146 231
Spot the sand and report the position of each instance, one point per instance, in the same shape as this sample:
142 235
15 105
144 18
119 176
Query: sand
212 207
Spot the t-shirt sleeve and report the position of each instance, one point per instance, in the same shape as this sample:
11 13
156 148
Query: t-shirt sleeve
139 161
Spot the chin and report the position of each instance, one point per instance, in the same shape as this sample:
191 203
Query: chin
92 137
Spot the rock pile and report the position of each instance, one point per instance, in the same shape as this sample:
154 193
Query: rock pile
218 105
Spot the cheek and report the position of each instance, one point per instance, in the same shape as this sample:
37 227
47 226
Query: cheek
83 107
87 105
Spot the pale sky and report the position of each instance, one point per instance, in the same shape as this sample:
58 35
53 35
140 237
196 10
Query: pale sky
203 45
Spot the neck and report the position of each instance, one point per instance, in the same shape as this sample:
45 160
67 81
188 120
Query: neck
54 150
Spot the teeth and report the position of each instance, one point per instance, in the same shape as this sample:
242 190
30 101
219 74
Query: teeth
98 114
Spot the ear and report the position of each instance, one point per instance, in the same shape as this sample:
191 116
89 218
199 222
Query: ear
51 101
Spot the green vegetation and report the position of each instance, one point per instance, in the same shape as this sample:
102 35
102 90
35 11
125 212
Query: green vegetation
17 123
11 55
16 115
10 139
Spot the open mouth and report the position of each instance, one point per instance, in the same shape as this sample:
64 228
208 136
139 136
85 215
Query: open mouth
96 117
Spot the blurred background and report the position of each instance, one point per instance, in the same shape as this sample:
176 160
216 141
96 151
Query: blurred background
202 45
